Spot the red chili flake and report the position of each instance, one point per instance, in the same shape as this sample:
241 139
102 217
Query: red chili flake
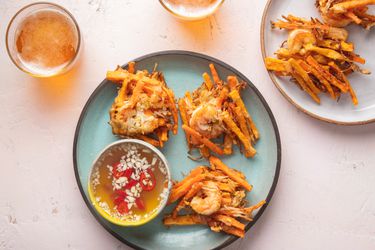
118 200
150 181
140 204
130 184
121 193
122 208
128 172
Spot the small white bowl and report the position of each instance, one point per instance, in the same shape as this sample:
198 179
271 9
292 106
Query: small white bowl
163 203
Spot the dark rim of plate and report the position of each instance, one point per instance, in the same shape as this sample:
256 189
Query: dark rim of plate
209 59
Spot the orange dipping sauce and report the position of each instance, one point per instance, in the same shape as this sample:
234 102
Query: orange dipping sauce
129 182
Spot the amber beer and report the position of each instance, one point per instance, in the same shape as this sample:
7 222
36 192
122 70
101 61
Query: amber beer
46 42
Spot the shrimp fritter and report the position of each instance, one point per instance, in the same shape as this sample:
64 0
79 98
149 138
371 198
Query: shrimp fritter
317 57
144 107
215 110
212 196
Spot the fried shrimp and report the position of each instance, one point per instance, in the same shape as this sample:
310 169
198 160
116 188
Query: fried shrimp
208 200
205 119
298 38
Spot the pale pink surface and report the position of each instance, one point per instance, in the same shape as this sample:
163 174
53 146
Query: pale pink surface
325 197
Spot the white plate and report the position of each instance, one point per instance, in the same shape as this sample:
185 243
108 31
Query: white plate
343 111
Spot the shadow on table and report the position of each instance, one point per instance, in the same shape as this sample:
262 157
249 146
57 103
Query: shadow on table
196 29
57 91
202 33
343 130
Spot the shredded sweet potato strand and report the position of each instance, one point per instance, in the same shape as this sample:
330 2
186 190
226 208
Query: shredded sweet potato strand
184 118
304 86
223 95
332 79
229 221
173 109
153 142
232 82
249 150
342 75
214 74
306 79
116 76
319 76
207 81
233 175
276 64
235 231
131 67
327 52
256 206
228 143
235 95
353 16
212 146
196 171
205 151
177 193
242 121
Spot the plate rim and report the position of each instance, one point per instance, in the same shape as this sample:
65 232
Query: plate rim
215 61
286 96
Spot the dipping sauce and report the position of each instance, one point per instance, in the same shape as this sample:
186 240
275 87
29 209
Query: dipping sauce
192 9
129 182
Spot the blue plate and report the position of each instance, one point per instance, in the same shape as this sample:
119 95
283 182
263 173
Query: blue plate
183 72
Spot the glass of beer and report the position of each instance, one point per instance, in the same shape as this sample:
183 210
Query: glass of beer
191 9
43 39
